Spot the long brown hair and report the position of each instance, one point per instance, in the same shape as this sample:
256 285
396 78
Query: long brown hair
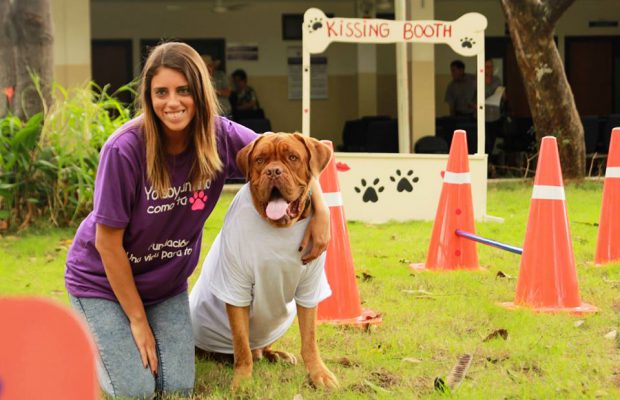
184 59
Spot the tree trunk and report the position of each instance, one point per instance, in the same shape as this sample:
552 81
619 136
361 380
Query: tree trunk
531 24
32 20
7 57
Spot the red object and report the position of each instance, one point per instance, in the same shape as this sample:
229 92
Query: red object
342 167
608 243
547 276
9 92
447 251
343 306
46 352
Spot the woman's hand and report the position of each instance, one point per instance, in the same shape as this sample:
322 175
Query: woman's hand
145 341
317 235
109 244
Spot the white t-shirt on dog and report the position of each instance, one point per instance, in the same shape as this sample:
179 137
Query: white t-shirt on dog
252 263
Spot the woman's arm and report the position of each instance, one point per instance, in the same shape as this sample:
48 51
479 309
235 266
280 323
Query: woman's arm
109 244
318 231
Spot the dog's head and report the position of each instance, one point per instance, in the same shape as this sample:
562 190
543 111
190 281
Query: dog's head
280 167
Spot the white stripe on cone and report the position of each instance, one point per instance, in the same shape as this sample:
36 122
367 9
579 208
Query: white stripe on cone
457 177
542 192
612 172
333 199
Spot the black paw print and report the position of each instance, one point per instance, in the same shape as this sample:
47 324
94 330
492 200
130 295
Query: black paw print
467 42
403 184
315 24
370 193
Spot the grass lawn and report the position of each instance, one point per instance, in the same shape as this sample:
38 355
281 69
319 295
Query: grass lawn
544 356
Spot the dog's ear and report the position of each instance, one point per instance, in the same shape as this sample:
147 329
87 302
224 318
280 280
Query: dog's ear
320 153
243 157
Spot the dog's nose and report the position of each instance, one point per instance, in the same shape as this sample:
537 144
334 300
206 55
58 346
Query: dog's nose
274 172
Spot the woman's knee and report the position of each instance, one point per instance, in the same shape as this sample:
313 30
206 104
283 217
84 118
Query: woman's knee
177 374
182 385
135 386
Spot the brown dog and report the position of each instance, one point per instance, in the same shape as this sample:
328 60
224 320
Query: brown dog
253 282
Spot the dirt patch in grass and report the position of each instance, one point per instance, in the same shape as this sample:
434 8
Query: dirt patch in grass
421 385
533 369
346 362
486 357
615 379
384 378
360 388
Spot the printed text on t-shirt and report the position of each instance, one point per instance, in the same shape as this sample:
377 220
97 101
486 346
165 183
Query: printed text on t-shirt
164 250
174 194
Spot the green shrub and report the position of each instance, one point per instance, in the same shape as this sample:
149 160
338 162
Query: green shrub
48 164
76 129
25 169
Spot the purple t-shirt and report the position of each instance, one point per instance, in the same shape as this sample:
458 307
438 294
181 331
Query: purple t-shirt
162 233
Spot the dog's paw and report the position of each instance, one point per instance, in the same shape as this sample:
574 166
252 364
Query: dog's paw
275 356
241 377
322 378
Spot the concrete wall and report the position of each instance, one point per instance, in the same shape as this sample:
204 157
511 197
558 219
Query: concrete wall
71 24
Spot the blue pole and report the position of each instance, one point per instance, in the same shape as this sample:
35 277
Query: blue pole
489 242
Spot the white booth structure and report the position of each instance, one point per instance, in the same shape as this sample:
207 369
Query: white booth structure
378 187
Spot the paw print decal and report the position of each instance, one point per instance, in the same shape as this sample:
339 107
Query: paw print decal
404 182
315 24
467 42
370 192
198 200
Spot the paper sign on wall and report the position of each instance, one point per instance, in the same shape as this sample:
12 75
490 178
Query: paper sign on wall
242 51
318 89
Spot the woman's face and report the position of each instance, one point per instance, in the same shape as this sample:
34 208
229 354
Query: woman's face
172 102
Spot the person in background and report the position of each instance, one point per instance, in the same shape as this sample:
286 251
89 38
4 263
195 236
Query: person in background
245 98
159 178
493 113
461 91
220 84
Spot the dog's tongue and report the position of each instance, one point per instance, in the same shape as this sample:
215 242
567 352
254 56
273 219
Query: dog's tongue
276 209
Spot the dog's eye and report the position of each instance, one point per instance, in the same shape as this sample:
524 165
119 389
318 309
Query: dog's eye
260 160
292 157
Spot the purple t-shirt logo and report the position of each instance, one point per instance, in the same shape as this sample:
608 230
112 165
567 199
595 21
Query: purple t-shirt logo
198 200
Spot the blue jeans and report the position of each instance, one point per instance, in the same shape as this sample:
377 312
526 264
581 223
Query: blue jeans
120 369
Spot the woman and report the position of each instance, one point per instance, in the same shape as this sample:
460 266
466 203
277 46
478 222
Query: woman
159 178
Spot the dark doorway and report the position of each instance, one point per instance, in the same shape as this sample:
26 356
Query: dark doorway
111 62
516 98
590 70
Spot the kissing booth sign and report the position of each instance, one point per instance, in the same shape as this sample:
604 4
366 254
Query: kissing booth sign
379 187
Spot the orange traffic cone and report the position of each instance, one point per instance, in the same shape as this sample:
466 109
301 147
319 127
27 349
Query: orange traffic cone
46 352
343 306
547 276
447 251
608 243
